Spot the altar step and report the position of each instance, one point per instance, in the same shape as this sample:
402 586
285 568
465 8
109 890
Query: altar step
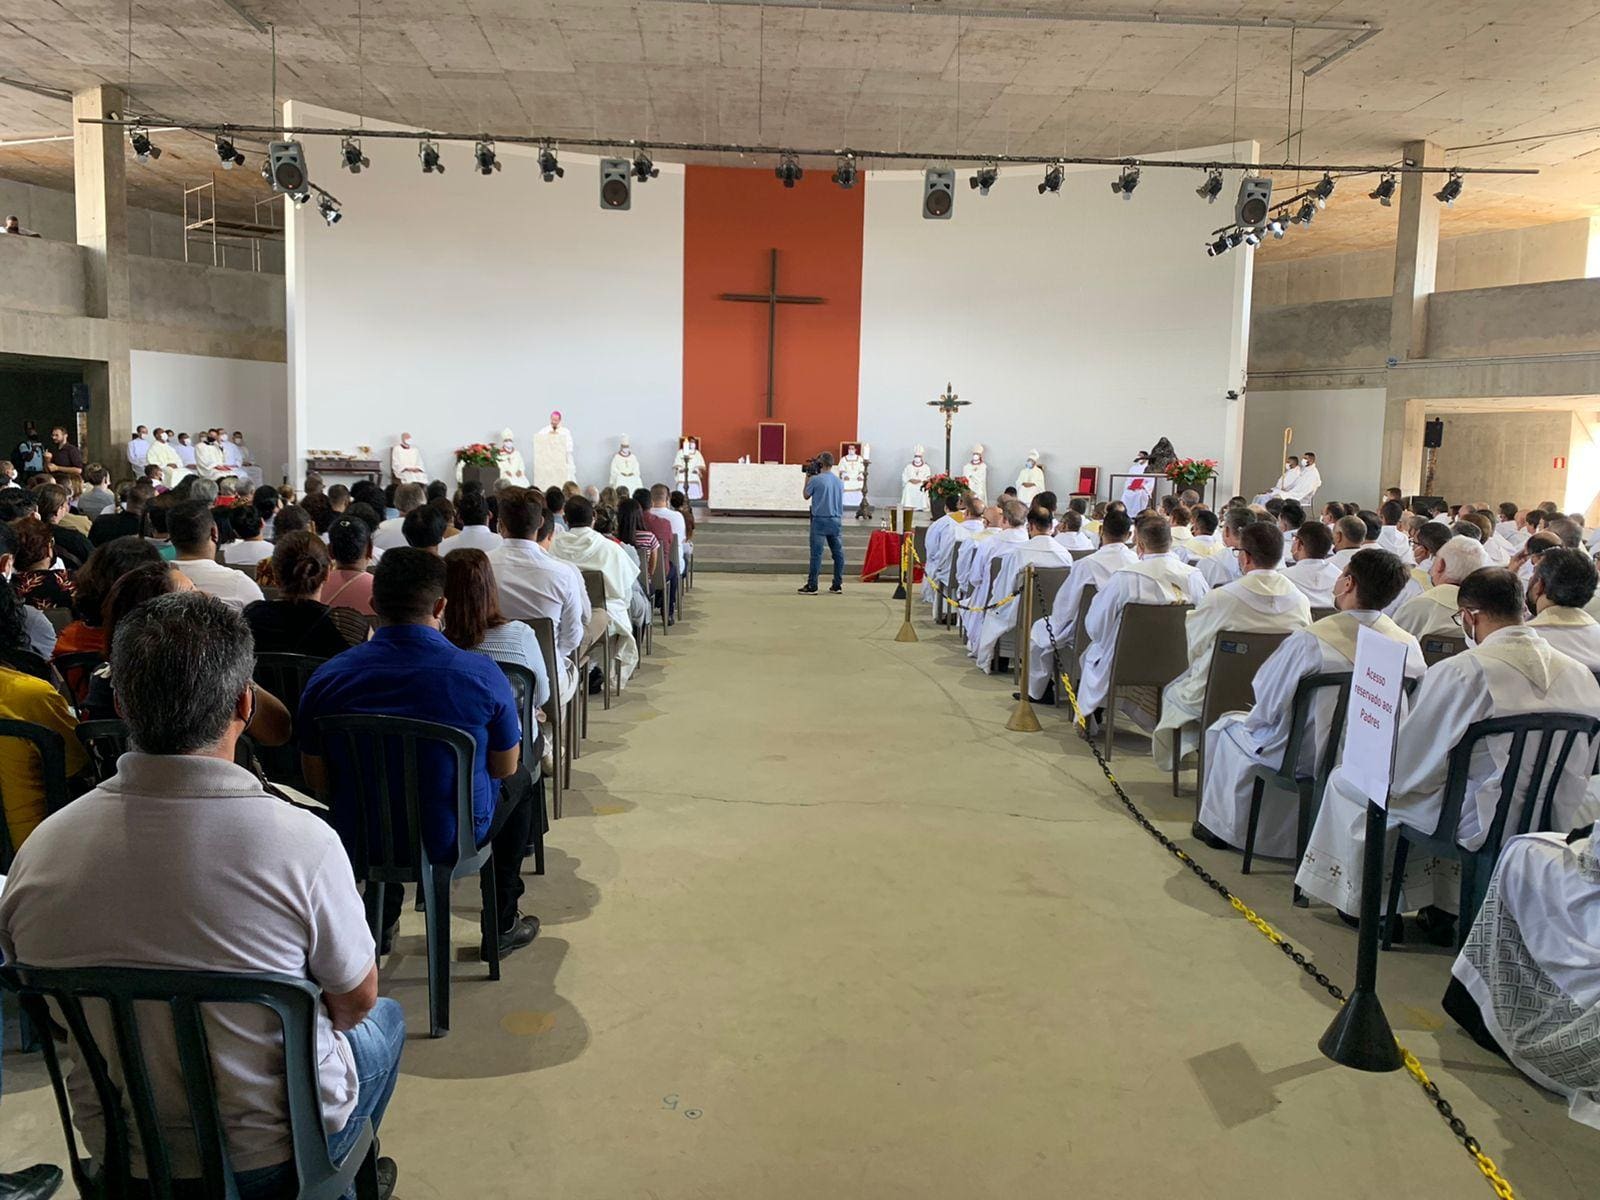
770 545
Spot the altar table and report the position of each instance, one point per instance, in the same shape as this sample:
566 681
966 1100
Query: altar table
758 488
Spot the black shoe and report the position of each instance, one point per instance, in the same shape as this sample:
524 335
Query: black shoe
386 943
1438 926
32 1183
597 682
1049 696
809 589
387 1174
519 935
1206 838
837 589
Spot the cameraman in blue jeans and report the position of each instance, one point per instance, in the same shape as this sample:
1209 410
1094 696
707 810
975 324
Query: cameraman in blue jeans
826 494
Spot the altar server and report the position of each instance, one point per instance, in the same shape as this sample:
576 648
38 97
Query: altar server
405 462
977 473
916 474
1136 492
689 469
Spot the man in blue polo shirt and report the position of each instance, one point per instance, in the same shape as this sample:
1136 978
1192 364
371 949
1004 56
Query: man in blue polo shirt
408 669
826 493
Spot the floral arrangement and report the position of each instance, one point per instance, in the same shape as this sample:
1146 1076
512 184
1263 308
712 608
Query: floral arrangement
1191 472
478 454
949 488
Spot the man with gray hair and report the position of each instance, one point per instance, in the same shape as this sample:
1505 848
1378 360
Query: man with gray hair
183 862
1434 611
390 534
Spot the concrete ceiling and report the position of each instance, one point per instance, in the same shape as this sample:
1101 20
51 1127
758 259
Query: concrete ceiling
1460 72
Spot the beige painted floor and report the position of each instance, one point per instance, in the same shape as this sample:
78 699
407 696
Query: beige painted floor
817 925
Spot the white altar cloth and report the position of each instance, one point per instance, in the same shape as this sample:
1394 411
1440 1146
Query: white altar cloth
758 487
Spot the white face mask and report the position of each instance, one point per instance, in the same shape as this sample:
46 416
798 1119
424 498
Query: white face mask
508 447
916 461
693 446
624 452
976 459
406 441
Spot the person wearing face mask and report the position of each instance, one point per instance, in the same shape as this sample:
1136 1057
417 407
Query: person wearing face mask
1030 480
625 473
1563 584
1284 488
689 469
977 473
405 462
161 454
183 447
1506 670
1434 611
916 474
853 476
139 450
1239 742
513 471
209 461
553 463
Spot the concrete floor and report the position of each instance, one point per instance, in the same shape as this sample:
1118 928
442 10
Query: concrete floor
815 924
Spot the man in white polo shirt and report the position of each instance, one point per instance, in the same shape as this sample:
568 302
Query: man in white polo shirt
193 533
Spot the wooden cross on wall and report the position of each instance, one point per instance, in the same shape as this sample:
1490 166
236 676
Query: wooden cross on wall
771 298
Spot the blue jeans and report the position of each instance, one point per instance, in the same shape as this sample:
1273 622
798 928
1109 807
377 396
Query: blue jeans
826 529
375 1044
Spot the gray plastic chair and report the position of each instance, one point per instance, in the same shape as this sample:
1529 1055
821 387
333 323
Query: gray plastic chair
1524 806
1318 613
524 683
387 846
1013 645
595 582
1235 658
557 716
1077 554
1439 646
131 996
59 618
1152 650
1072 655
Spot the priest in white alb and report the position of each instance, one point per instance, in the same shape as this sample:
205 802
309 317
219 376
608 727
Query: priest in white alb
209 460
1053 635
1313 570
852 474
553 464
973 558
405 462
1434 611
916 473
1507 669
1261 600
1563 585
1030 480
1284 487
1038 550
689 469
581 546
942 535
1157 578
977 473
1241 743
161 454
508 459
1222 566
625 474
1069 533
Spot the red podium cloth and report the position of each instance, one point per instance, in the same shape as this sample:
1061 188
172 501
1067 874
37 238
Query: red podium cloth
883 554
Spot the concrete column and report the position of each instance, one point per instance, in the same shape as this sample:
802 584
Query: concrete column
100 188
1416 261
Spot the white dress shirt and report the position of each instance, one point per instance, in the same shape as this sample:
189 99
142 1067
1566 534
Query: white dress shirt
475 537
674 518
242 554
531 583
233 588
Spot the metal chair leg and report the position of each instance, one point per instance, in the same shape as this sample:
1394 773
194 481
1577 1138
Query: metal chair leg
1255 820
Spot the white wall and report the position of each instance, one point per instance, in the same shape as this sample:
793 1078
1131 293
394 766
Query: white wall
1343 428
454 305
1080 325
188 392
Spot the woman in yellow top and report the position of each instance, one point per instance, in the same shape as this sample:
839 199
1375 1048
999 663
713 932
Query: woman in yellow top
27 694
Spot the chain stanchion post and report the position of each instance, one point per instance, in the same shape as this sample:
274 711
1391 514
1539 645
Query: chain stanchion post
908 632
905 540
1360 1035
1023 719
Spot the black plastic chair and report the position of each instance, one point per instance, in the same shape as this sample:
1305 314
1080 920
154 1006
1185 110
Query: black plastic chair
59 618
1531 801
130 995
1439 646
524 683
52 751
105 741
76 671
398 854
285 676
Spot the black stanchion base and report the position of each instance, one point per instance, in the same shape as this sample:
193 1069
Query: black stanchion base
1360 1035
900 591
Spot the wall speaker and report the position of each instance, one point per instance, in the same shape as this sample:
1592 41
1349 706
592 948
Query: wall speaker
616 188
286 168
1433 434
1255 198
80 397
938 194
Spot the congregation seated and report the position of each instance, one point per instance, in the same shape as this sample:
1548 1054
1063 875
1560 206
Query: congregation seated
94 580
1562 586
97 497
1238 743
632 531
1261 600
1050 636
1223 567
463 690
472 618
216 875
1434 610
1391 536
1507 669
39 581
423 528
584 547
1312 568
193 532
1349 536
297 621
41 633
250 544
677 520
349 583
530 582
1008 532
127 523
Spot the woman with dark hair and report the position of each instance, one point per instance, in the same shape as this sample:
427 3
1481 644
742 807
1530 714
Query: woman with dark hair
680 505
320 509
36 582
473 622
297 622
28 694
349 583
290 519
631 531
93 584
129 590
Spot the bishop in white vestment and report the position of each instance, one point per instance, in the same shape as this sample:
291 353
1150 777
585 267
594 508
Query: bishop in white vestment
853 475
625 473
1113 555
553 464
405 462
1509 670
916 473
1030 480
1238 743
977 474
1260 601
513 471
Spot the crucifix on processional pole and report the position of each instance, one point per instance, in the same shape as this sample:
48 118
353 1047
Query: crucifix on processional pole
949 404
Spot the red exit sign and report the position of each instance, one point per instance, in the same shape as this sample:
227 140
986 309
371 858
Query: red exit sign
1559 463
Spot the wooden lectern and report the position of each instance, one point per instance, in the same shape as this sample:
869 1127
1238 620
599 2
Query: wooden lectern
772 442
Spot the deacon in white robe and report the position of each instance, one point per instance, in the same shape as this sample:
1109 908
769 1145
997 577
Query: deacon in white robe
1309 482
1136 492
916 473
553 464
513 471
1563 582
1529 974
853 476
1030 480
1010 530
977 474
1434 611
139 451
1222 566
209 461
405 462
689 469
1038 549
1050 637
1510 670
1283 488
939 545
1261 601
1313 570
1238 743
249 469
583 547
1157 578
625 472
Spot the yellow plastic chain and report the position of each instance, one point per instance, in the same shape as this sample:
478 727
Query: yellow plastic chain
939 588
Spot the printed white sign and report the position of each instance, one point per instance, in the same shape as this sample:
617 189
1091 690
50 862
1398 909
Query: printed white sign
1369 727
